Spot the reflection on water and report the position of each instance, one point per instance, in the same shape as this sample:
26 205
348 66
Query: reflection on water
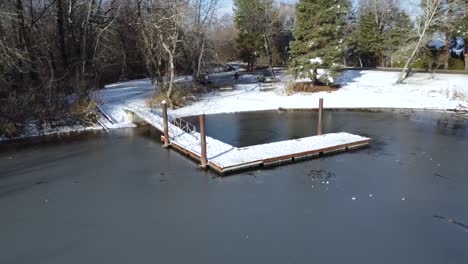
122 198
246 129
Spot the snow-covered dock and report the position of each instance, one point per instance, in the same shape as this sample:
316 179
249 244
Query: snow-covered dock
224 158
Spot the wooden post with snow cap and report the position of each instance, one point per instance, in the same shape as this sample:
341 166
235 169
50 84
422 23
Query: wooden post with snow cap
166 124
319 122
203 158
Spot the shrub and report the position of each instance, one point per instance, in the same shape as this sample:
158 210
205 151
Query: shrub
84 109
421 62
180 98
156 99
456 64
459 95
398 64
8 129
307 87
16 112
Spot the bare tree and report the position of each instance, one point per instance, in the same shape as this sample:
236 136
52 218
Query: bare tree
433 16
224 35
160 26
465 22
204 17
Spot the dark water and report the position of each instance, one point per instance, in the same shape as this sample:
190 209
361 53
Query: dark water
247 129
121 198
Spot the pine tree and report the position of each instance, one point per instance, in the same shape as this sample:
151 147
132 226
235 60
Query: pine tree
366 40
318 33
461 26
397 35
381 26
256 21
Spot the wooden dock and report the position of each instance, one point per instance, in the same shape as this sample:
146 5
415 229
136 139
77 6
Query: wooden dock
224 158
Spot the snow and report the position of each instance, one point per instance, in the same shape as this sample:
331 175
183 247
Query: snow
115 97
360 89
226 156
33 130
317 60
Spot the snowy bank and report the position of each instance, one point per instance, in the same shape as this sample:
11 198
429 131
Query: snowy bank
360 89
32 131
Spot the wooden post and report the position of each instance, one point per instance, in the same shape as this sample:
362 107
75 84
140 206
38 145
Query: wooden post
166 124
203 158
319 122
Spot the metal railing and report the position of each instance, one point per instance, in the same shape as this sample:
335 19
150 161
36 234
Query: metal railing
178 122
182 124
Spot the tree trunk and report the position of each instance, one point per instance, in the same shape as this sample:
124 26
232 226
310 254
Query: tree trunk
447 51
84 43
123 74
270 58
409 63
170 53
466 54
466 38
61 33
200 57
22 42
447 38
430 12
171 78
314 77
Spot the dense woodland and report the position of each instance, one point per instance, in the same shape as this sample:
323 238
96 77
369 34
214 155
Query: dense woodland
54 53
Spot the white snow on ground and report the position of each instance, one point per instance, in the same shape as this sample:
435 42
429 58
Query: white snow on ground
115 97
360 89
34 131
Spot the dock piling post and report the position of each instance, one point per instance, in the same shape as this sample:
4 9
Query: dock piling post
203 158
319 122
166 125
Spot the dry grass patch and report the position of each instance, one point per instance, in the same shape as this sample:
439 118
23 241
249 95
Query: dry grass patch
460 96
179 98
306 87
84 109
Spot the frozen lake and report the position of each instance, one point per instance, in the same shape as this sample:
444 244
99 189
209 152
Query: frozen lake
122 198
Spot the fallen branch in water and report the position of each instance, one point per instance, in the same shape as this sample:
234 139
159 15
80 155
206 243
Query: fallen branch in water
452 221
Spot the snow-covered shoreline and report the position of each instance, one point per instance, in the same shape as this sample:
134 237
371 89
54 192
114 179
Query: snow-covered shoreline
57 131
360 89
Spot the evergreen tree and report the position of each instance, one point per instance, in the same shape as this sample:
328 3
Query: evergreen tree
397 35
256 21
461 26
318 33
366 40
381 26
